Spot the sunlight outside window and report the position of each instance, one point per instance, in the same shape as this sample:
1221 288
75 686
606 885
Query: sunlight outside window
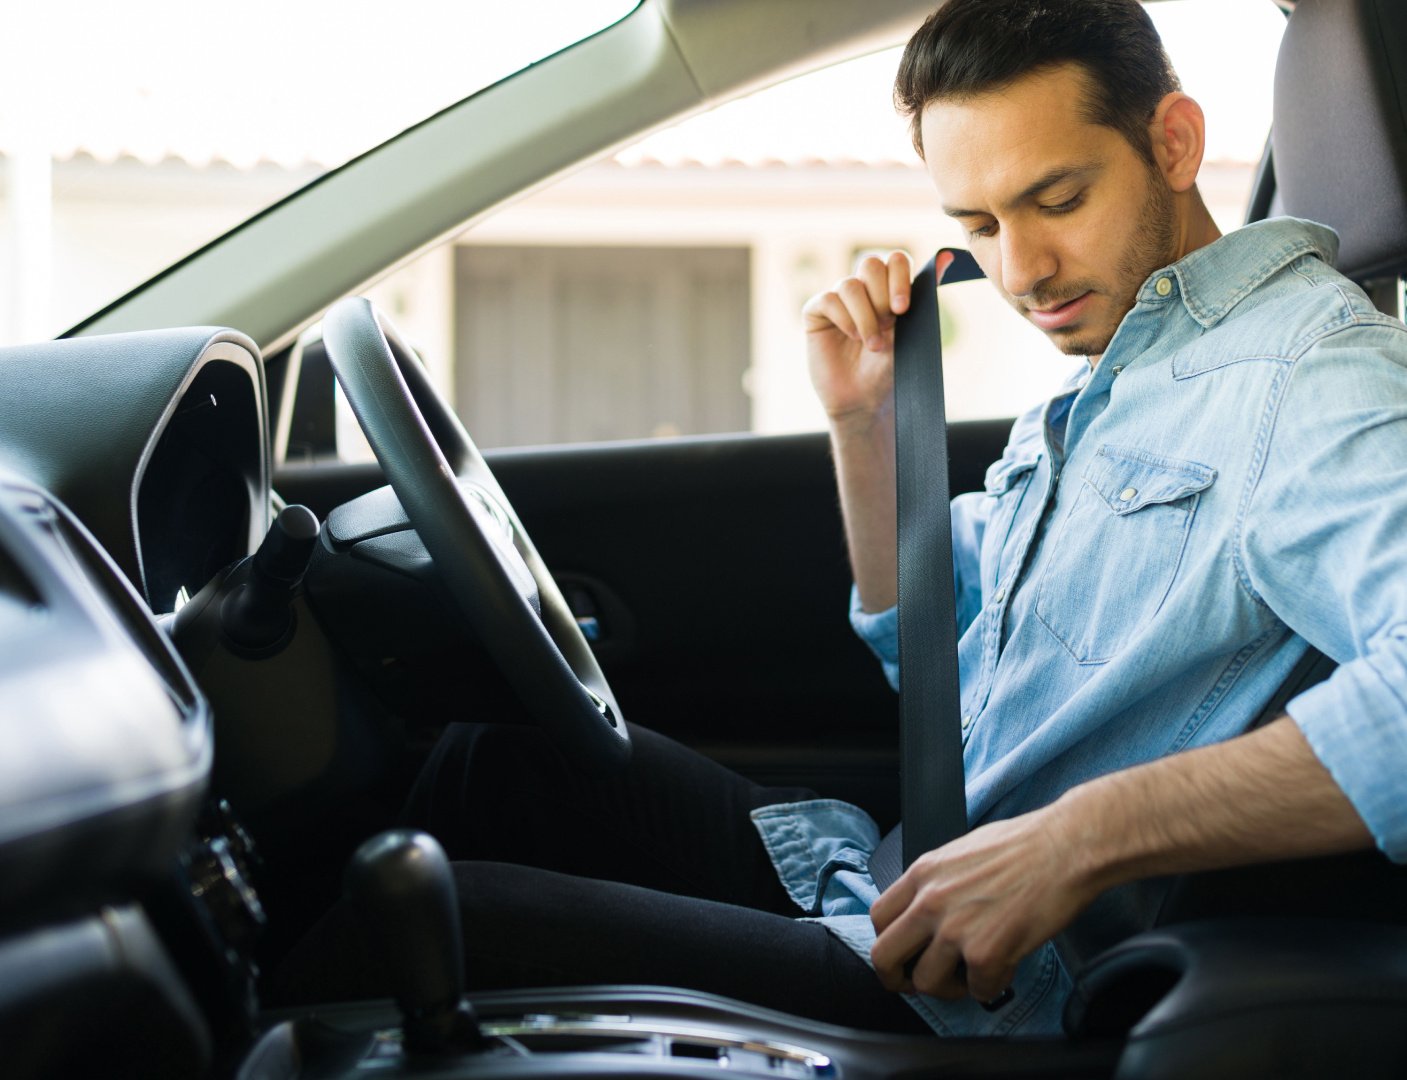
99 126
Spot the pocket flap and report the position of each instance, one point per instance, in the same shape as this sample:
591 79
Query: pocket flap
1128 480
1002 474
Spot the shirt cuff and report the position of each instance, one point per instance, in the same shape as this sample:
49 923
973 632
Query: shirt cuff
1354 723
880 631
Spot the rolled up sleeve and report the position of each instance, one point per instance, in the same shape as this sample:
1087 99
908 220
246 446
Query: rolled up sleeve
880 629
1355 725
1324 544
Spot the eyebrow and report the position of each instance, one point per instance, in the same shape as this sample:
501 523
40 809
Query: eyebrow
1055 176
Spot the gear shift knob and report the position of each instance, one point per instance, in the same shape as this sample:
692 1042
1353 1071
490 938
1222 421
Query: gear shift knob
400 886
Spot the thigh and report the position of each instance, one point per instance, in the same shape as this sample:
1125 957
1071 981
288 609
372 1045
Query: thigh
671 820
525 927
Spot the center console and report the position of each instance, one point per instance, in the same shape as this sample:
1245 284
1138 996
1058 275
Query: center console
400 885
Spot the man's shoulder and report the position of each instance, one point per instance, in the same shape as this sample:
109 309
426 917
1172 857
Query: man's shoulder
1285 311
1304 302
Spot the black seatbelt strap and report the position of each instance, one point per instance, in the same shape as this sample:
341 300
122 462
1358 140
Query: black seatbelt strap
932 790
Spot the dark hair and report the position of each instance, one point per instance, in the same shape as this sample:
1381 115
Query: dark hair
969 47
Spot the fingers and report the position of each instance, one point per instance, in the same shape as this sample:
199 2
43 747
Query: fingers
927 945
887 283
864 306
909 957
914 956
893 902
939 972
896 947
826 310
902 931
900 278
858 299
990 982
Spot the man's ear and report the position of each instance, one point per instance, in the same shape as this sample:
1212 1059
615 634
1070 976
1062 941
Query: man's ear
1178 130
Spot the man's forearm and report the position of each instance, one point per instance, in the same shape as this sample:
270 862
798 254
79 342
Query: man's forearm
991 897
865 474
1261 797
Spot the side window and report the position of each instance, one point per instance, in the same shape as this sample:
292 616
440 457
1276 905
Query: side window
658 293
607 342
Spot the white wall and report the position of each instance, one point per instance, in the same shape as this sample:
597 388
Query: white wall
115 224
805 225
112 225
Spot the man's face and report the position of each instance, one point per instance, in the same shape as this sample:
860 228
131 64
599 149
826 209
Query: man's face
1063 215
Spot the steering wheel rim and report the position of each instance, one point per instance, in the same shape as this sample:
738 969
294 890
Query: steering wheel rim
482 553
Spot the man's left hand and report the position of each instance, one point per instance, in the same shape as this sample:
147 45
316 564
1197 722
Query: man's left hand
987 899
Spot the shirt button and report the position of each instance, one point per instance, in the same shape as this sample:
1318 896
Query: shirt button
1128 493
1117 370
966 722
999 595
1163 286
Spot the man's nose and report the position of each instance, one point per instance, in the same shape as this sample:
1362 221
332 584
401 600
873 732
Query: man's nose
1027 260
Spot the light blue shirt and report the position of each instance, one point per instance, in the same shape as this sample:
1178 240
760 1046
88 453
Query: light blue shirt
1156 549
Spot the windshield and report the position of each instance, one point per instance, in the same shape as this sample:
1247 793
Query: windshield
106 111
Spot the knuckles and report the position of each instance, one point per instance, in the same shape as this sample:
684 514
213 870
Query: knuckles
872 265
947 989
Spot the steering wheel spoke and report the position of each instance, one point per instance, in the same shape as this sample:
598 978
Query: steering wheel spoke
482 553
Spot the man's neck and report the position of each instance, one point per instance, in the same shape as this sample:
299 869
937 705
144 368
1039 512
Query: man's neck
1195 229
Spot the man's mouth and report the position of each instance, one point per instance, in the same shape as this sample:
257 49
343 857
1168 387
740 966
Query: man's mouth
1061 315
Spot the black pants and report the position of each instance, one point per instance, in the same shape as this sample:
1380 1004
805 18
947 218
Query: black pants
656 875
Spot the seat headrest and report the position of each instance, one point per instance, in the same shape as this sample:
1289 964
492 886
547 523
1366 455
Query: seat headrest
1339 139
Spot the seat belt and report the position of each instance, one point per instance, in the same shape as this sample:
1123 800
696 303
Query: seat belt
932 790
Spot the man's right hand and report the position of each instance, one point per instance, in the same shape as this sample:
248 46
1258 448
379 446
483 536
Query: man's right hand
850 337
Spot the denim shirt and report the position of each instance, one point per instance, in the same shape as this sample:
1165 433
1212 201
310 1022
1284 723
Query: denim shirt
1156 549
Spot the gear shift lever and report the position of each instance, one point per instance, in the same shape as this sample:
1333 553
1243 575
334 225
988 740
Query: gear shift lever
400 886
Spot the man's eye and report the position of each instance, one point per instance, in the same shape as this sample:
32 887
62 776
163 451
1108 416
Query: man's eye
989 229
1065 207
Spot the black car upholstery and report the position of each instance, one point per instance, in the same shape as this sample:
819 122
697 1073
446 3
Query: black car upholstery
1340 128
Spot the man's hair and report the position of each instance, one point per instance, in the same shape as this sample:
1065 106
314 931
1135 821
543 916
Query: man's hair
970 47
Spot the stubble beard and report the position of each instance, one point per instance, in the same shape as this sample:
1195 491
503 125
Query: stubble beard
1150 249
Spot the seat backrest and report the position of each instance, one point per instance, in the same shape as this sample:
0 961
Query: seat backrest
1339 137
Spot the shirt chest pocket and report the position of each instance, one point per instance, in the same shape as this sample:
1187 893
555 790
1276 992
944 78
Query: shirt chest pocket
1114 556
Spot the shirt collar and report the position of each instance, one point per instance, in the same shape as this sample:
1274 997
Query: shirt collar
1214 279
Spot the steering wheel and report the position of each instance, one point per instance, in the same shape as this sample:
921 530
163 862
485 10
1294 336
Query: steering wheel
480 550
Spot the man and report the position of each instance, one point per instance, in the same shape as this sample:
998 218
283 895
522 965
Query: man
1154 550
1094 640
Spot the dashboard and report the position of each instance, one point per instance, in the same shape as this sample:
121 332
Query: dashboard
108 747
156 441
133 468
